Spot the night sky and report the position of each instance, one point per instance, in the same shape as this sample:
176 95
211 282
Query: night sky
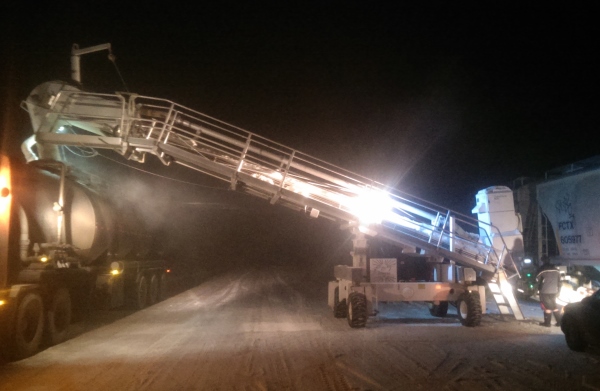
436 101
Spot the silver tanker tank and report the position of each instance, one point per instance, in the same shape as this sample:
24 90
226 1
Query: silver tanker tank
92 225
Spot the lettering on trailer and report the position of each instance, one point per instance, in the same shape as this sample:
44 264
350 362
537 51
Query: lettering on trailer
564 205
562 225
570 239
571 205
566 226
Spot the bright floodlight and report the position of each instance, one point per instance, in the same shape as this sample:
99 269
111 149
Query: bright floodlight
372 206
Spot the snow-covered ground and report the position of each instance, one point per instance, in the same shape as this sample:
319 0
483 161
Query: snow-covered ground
272 330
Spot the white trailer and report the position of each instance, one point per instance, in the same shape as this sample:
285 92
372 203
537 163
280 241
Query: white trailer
570 203
569 225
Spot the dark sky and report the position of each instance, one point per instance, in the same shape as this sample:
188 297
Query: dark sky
438 101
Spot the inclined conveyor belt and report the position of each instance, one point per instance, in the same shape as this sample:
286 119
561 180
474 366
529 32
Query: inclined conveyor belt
134 125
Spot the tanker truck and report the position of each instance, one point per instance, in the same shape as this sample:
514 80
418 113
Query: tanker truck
66 248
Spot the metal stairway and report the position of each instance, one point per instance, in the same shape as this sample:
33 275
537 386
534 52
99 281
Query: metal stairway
134 126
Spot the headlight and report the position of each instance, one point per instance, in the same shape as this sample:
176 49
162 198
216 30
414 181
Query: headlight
116 268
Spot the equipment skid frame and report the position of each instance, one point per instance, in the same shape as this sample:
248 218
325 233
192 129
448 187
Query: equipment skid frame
358 300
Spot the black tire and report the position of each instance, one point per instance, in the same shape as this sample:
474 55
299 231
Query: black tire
340 308
162 286
468 307
522 291
438 310
59 317
573 336
141 293
29 326
357 310
153 290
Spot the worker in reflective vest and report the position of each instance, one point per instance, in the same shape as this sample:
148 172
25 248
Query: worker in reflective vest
549 284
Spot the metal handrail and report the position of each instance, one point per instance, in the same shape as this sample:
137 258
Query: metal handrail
224 150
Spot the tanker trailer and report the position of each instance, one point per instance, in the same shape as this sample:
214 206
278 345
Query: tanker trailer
65 248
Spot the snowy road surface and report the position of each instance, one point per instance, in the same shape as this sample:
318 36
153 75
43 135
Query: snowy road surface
269 330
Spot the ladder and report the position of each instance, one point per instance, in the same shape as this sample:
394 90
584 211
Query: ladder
134 125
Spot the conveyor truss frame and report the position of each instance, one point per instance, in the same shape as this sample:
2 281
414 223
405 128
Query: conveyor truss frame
135 125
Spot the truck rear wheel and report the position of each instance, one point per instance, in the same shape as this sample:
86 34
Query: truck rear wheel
153 289
141 292
357 310
468 307
59 316
29 326
162 286
573 336
438 310
340 308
